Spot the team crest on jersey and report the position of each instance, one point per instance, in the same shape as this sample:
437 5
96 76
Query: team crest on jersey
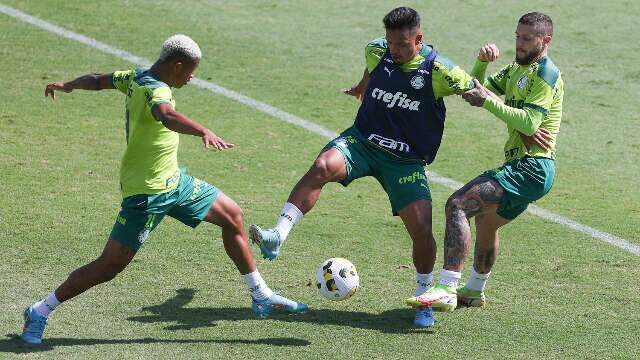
522 82
417 82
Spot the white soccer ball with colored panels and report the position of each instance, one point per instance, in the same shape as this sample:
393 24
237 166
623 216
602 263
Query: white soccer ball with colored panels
337 279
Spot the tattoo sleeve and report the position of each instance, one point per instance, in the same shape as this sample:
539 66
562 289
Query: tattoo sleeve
484 259
489 192
465 203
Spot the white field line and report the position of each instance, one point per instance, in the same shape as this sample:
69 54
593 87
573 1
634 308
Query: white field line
306 124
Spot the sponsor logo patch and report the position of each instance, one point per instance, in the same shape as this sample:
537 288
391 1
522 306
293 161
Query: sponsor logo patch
411 179
388 143
398 99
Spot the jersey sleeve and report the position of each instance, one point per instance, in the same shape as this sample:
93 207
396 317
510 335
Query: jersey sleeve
535 106
121 79
498 81
374 52
524 120
448 78
160 95
478 72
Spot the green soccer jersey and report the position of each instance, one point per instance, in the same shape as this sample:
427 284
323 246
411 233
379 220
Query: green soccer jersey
447 78
533 98
150 161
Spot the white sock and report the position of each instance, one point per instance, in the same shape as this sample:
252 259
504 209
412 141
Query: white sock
423 282
449 278
257 287
45 306
477 281
289 216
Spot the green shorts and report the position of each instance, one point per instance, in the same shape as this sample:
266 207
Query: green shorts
189 203
404 180
524 180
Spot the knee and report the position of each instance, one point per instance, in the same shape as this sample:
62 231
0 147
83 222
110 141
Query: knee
237 218
108 275
234 218
424 236
423 231
322 169
454 204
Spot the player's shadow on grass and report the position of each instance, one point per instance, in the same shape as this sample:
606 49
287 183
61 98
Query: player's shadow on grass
173 311
15 345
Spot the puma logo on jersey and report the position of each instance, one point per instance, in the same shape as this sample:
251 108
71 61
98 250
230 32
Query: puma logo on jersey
398 99
389 71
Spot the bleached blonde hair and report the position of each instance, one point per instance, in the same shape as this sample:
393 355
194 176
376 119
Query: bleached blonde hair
180 45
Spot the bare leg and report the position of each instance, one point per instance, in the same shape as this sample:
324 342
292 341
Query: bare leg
481 195
417 220
487 241
329 166
114 258
228 215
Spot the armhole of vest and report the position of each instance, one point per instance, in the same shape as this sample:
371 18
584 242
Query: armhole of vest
379 43
433 51
379 61
444 61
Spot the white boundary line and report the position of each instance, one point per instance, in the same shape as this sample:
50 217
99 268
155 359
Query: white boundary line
306 124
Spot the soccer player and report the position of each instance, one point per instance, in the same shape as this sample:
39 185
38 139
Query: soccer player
533 90
154 186
397 131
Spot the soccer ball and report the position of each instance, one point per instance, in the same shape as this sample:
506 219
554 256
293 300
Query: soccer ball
337 279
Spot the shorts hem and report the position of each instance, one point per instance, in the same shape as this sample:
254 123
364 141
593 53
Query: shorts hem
126 244
200 219
347 180
397 210
503 209
509 216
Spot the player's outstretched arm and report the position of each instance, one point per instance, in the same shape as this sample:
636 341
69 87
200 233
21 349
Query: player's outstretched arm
358 90
84 82
478 94
178 122
526 121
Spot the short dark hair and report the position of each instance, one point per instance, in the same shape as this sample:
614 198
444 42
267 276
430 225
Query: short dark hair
541 22
401 18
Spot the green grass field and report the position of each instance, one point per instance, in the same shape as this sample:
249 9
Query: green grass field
554 292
